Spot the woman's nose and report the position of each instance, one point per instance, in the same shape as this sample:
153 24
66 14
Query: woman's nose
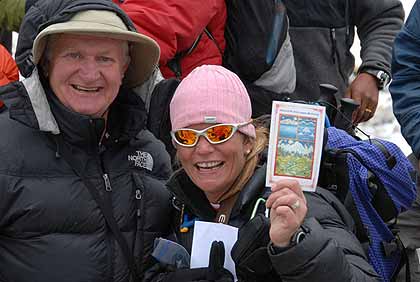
203 146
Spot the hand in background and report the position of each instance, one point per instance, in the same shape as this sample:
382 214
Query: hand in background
288 210
364 90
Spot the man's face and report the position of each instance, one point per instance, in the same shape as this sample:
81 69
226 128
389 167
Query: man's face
85 72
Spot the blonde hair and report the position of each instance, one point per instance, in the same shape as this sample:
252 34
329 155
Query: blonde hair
251 162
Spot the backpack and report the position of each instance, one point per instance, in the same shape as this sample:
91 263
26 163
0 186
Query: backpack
373 179
255 31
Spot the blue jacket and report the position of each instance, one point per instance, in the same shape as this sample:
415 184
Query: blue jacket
405 85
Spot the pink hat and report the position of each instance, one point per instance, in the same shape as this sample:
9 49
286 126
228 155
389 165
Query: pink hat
211 94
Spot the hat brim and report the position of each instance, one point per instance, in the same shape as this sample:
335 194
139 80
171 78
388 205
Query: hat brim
144 51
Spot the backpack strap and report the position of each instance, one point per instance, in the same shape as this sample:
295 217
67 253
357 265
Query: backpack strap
211 37
104 203
175 63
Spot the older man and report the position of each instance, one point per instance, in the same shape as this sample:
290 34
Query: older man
81 192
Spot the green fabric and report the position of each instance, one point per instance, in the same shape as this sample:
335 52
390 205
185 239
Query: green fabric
11 14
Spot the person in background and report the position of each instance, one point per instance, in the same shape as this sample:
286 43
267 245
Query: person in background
322 33
82 193
405 94
190 33
307 236
12 12
8 68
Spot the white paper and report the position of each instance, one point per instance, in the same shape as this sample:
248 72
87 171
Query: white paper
295 147
204 235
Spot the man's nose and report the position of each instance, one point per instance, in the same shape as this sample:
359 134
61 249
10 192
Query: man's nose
89 69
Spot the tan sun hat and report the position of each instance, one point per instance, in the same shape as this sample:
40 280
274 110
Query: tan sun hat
144 51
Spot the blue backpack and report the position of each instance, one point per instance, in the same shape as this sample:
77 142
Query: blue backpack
373 179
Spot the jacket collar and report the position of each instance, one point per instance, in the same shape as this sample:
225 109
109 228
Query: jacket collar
195 199
39 108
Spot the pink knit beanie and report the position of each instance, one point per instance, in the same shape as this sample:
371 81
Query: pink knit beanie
211 94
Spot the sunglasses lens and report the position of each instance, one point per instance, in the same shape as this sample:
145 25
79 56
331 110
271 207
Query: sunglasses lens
219 133
185 136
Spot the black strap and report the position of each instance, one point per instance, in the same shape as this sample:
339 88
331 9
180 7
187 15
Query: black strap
211 37
175 63
104 203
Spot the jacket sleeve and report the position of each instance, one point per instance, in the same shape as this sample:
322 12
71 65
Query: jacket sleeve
377 24
173 24
405 85
8 68
329 249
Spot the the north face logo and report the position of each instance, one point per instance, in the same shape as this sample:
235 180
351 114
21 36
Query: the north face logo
142 159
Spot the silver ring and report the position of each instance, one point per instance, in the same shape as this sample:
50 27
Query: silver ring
295 205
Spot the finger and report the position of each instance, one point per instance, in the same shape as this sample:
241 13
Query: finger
361 111
287 183
292 201
285 193
294 190
279 193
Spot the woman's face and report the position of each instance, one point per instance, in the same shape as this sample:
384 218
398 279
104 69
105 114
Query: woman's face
214 168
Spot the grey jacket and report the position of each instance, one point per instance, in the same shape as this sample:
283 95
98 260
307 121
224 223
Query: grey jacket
322 33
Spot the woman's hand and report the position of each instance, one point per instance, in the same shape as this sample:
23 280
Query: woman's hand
288 210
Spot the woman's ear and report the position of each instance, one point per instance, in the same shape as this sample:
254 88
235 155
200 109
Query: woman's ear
248 144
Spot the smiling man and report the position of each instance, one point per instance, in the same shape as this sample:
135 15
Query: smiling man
74 206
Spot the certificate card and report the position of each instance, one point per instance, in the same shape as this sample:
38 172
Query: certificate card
295 147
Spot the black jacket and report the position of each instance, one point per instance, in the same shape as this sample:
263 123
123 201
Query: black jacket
51 229
330 244
322 33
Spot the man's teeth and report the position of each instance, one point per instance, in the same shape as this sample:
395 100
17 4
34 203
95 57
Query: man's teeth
208 165
88 89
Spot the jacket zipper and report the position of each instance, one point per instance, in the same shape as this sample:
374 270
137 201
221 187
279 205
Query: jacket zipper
108 187
138 199
138 237
107 197
334 44
109 237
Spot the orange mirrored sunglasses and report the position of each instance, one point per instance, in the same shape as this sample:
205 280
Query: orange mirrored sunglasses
215 134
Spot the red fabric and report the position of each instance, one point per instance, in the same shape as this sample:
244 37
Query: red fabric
8 69
175 24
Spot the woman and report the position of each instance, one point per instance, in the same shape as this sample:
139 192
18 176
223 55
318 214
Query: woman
222 179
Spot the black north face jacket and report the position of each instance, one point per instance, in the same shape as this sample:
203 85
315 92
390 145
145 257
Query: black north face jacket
51 229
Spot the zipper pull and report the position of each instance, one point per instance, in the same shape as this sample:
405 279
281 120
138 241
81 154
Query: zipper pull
108 187
138 198
334 44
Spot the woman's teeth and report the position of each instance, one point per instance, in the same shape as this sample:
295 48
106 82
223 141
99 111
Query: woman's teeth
209 165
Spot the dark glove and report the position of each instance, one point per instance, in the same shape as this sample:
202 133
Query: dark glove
250 250
215 272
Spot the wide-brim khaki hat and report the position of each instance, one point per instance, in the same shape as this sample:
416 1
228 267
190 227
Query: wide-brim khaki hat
144 51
